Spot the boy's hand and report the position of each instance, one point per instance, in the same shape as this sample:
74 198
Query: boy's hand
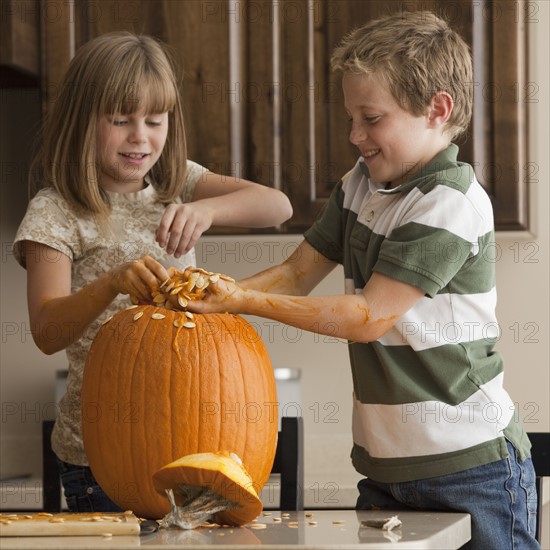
182 225
138 278
222 296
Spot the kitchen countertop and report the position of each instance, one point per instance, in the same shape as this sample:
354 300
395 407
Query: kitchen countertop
319 529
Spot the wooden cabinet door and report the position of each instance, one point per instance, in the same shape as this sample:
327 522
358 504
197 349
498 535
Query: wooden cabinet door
261 102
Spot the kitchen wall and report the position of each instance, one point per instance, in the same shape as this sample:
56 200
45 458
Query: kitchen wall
522 262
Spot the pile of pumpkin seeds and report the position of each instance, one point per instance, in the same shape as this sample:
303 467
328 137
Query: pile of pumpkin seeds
186 286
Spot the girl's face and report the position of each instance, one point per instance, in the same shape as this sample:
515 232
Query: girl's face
393 142
128 146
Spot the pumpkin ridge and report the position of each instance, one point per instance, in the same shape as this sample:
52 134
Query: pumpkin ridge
244 383
120 377
215 386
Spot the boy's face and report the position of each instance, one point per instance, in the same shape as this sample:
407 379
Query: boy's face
393 142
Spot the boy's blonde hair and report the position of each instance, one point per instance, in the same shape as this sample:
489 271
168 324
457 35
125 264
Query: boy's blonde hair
115 73
417 54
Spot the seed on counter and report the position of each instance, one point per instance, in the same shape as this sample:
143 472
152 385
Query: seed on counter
267 514
57 520
107 535
312 523
258 526
277 519
285 515
309 515
338 521
293 524
5 521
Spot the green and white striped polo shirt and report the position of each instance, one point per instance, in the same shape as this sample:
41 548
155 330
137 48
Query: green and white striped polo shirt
428 395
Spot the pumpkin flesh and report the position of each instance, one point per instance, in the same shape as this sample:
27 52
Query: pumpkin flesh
218 472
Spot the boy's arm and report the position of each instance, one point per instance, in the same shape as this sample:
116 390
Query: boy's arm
220 200
58 317
363 317
304 269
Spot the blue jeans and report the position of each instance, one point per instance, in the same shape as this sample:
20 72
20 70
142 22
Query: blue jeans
500 497
82 492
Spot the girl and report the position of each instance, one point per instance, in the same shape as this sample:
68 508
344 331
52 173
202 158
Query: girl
120 203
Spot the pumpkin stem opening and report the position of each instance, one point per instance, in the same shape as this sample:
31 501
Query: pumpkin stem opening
198 505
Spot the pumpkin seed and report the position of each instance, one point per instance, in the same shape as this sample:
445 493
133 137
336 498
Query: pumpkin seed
177 323
201 282
158 298
133 306
182 301
189 324
107 320
189 315
138 315
214 278
158 316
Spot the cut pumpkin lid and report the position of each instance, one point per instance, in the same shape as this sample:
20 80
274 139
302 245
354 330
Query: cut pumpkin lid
221 472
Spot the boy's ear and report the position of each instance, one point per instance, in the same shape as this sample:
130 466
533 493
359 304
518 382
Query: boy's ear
440 109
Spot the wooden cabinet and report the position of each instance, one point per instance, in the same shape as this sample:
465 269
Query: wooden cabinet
261 102
19 47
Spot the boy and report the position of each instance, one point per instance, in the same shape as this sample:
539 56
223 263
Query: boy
433 427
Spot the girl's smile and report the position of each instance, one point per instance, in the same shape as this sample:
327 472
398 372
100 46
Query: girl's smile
128 146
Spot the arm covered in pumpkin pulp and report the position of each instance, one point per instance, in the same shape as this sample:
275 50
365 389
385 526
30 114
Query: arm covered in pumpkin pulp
280 294
220 200
59 317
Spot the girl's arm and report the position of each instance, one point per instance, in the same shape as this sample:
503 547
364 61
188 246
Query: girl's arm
51 303
363 317
220 200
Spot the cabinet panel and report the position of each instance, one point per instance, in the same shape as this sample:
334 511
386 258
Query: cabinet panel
19 48
261 101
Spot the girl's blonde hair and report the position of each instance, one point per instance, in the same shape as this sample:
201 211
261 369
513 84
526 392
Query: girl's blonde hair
417 55
115 73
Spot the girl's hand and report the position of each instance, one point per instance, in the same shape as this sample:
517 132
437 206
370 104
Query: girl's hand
182 225
138 278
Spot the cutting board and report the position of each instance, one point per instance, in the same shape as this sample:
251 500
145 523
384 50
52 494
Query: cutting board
43 524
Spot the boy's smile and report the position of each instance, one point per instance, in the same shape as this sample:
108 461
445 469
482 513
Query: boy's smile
394 143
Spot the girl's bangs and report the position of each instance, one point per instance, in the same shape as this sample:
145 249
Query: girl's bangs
150 93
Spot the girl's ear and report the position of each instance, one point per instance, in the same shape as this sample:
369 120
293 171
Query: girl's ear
440 109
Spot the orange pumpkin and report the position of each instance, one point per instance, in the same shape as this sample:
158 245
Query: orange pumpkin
159 385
